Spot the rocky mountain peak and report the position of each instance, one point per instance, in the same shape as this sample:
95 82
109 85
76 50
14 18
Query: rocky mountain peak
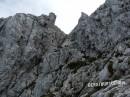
38 60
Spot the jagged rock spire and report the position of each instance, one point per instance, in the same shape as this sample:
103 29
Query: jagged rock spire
52 17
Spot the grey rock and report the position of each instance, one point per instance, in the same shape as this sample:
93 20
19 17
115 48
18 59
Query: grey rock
104 74
127 52
38 60
52 17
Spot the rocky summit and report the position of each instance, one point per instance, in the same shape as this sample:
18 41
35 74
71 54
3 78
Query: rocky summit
37 59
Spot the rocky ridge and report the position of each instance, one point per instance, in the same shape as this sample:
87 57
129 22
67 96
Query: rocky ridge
38 60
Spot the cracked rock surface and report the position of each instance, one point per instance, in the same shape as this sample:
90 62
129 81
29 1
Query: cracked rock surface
38 60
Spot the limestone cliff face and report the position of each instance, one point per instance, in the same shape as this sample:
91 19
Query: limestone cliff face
38 60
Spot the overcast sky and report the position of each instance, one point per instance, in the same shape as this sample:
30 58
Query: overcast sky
67 11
